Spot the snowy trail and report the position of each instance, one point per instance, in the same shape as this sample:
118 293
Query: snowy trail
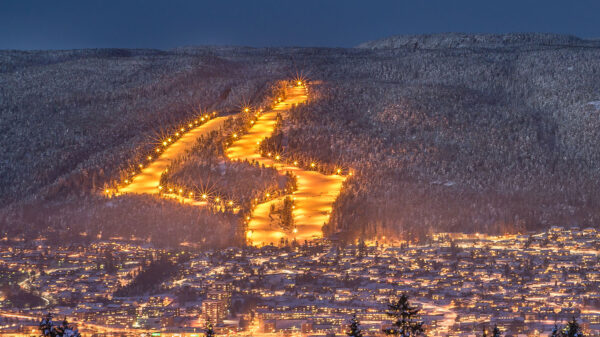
316 192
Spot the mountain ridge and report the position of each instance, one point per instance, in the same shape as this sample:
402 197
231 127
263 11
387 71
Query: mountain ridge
468 40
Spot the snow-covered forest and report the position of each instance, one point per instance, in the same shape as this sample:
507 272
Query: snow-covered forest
469 136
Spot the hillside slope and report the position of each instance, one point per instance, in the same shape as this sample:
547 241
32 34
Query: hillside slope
484 138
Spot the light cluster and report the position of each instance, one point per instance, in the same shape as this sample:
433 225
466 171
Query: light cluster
162 145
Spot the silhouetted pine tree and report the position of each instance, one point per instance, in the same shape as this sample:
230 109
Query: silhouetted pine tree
355 330
555 331
496 332
406 319
209 330
48 328
572 329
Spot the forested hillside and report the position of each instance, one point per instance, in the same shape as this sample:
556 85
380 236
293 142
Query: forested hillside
451 132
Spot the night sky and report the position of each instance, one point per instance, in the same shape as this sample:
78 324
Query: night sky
51 24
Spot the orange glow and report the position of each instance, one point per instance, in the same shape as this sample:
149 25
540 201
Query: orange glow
147 181
314 196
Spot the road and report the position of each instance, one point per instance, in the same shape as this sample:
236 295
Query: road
79 324
316 191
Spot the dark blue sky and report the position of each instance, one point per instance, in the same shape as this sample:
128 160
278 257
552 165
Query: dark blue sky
56 24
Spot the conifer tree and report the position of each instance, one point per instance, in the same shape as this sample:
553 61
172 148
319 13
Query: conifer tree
405 317
209 330
496 332
355 330
555 331
572 329
48 328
